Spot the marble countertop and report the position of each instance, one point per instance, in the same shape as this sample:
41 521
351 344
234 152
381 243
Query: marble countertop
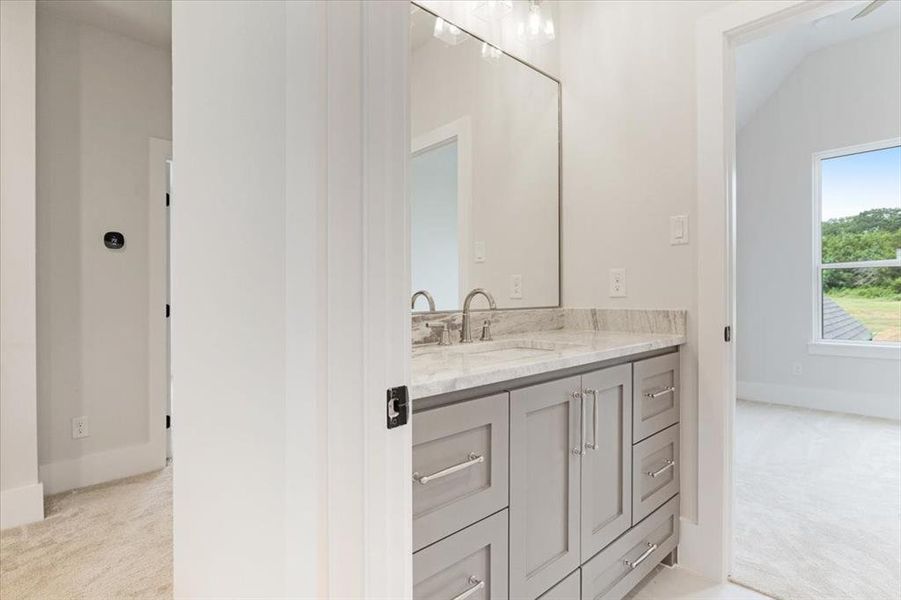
443 369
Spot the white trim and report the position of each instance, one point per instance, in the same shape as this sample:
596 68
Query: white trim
159 151
21 505
816 330
706 546
101 467
883 406
461 130
852 349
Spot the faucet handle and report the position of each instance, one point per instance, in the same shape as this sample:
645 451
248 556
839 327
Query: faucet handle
443 332
486 330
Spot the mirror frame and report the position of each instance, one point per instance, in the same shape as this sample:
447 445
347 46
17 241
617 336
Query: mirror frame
559 174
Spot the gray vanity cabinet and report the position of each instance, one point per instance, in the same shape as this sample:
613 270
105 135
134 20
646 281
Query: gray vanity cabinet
607 462
545 445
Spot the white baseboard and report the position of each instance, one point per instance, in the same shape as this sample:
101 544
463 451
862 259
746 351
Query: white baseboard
856 403
101 467
21 505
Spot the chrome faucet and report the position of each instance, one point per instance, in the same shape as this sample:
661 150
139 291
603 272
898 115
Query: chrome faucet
428 298
465 333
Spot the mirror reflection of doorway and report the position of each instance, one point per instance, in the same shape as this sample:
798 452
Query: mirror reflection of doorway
435 235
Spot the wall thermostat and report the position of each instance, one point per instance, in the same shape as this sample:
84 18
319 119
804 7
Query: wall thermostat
113 240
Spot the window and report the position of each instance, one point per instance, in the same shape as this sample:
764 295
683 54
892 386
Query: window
857 203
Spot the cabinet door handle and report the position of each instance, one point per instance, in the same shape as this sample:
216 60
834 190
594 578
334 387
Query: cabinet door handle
669 465
474 459
476 586
658 393
633 564
594 438
580 450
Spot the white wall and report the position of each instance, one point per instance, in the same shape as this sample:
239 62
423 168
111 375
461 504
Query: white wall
513 114
100 97
628 72
21 495
839 96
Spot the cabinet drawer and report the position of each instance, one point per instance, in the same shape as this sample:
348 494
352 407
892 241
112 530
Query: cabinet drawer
568 589
655 472
655 404
459 466
615 571
470 564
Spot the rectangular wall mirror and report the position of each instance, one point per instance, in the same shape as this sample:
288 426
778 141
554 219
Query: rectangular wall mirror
485 171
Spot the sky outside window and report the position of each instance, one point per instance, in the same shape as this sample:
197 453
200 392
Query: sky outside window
858 182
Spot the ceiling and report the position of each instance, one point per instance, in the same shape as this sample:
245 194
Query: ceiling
149 21
762 65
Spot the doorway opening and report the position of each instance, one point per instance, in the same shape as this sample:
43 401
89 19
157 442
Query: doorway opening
817 440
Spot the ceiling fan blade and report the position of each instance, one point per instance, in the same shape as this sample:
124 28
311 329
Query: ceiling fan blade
869 8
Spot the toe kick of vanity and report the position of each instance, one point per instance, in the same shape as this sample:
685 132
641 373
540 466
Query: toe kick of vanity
562 488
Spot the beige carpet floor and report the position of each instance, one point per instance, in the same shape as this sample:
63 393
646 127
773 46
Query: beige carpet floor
105 542
817 504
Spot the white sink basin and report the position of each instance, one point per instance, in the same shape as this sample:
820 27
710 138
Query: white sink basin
505 350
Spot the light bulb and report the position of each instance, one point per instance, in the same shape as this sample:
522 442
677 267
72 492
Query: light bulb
439 26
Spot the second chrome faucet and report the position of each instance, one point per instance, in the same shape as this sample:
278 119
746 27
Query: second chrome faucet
465 330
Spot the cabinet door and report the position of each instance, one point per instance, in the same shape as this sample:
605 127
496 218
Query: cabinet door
607 462
545 445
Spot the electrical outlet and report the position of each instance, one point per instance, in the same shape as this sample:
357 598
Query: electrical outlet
797 369
516 286
617 283
80 428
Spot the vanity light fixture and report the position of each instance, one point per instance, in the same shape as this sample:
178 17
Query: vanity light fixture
448 33
489 10
538 28
490 53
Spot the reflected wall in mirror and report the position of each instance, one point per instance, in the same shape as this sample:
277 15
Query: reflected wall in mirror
485 171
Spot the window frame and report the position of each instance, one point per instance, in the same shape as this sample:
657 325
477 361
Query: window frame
818 344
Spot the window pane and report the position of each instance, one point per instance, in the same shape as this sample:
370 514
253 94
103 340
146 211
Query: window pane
862 304
861 206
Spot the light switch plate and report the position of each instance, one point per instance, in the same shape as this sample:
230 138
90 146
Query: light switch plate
678 230
479 251
617 283
516 287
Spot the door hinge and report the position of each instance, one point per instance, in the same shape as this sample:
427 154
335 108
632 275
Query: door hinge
167 311
727 333
168 421
398 406
167 198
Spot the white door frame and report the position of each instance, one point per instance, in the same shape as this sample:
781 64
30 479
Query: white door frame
159 153
706 546
460 130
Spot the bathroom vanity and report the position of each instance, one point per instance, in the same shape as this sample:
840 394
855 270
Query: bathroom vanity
545 440
546 464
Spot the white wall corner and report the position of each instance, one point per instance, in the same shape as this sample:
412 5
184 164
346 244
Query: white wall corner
884 406
21 505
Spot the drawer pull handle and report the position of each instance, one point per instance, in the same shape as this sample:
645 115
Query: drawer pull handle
658 393
477 585
594 440
474 459
580 450
633 564
669 465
